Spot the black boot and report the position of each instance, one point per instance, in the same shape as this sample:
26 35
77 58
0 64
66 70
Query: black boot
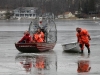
89 51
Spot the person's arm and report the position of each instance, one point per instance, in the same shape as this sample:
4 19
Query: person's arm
36 37
88 35
85 32
30 39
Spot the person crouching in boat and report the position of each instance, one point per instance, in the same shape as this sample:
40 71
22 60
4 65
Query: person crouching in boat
83 38
26 38
38 36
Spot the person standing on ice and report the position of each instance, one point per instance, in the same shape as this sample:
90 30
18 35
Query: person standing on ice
83 38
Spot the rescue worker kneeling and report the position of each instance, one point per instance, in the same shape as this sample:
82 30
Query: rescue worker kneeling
38 36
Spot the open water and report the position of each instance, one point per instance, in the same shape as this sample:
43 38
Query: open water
57 61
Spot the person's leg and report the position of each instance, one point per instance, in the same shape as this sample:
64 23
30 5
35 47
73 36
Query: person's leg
82 47
88 47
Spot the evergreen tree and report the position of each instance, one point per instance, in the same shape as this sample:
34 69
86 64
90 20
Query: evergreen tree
92 6
89 6
85 7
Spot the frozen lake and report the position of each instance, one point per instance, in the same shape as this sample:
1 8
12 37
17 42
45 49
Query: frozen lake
61 63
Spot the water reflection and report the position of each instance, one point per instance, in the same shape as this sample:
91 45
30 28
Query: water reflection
38 63
27 64
83 64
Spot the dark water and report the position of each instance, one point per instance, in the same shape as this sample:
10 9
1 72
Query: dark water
57 62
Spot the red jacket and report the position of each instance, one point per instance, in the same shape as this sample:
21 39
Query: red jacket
83 36
26 38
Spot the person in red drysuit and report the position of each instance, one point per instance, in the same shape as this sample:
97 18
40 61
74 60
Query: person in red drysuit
38 36
26 38
83 38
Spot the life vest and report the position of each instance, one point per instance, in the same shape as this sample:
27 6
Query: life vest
39 37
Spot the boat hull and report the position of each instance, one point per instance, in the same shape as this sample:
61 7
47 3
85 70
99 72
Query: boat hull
34 47
71 47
